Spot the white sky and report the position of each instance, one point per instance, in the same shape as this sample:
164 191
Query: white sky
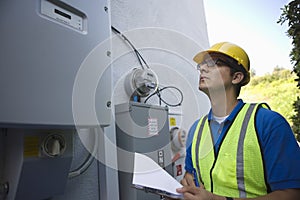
252 25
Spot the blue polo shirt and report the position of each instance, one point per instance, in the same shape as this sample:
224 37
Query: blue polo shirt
279 147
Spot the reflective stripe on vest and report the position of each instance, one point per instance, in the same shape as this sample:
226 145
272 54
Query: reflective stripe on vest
238 169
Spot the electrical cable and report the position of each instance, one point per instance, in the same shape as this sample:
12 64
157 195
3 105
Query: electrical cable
158 93
137 53
88 161
141 61
140 58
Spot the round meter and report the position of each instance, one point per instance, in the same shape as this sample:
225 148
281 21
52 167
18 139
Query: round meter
141 82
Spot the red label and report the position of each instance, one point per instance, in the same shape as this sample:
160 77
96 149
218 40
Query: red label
179 170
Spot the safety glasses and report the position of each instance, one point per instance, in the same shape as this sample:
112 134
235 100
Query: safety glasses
212 63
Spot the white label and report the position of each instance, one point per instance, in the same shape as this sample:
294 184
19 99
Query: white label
152 126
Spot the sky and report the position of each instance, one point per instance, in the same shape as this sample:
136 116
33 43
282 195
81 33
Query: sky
251 24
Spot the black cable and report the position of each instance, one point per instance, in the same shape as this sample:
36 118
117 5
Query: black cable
157 92
130 44
141 61
137 53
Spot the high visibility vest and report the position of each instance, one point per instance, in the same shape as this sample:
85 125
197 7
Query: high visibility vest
238 169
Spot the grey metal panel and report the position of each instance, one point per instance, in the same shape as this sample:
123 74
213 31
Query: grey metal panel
32 176
135 130
39 59
84 186
132 132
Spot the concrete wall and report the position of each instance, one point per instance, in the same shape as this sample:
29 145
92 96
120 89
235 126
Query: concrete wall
168 34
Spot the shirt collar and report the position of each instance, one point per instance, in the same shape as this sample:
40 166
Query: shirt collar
233 113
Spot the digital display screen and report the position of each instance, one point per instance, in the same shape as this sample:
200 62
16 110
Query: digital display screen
62 14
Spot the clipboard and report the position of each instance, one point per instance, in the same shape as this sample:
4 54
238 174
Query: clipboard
158 192
146 175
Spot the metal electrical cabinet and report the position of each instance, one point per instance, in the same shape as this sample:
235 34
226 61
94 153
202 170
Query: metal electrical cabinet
43 45
50 49
141 128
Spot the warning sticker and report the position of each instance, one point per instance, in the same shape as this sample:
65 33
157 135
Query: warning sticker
152 126
31 146
172 121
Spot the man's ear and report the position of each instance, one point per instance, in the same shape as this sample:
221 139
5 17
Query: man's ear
237 77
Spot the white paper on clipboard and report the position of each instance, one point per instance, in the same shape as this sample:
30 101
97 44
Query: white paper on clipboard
149 176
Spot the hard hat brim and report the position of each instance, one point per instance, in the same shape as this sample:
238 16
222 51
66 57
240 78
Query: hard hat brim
198 58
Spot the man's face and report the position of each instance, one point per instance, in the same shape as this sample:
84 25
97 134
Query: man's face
215 75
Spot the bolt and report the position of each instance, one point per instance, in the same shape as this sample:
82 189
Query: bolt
105 8
108 104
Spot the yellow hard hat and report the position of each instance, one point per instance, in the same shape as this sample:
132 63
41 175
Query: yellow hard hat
233 51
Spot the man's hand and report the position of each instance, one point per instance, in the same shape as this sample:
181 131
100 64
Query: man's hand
188 180
195 193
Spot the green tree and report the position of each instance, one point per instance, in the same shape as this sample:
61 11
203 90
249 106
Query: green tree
278 90
291 15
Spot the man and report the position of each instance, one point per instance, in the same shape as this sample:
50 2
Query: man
238 151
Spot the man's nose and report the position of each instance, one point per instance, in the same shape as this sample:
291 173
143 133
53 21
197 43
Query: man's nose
203 68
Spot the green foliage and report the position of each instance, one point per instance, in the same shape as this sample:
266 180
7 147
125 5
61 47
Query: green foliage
278 90
296 119
291 15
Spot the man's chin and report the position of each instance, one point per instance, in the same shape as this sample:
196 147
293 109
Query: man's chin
203 89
